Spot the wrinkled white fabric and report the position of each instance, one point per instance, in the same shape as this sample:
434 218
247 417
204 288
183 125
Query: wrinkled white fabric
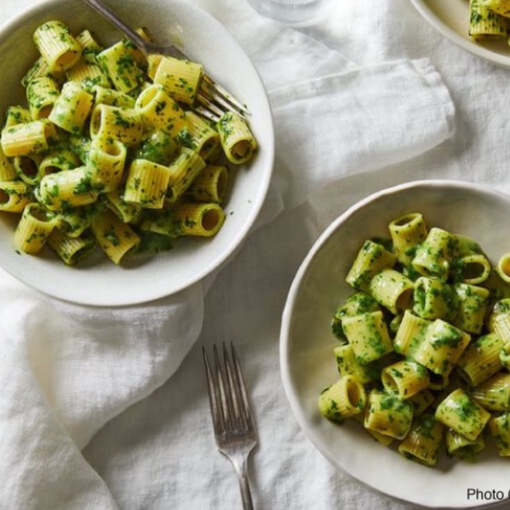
68 370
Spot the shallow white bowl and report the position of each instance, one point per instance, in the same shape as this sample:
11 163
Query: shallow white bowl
203 39
306 343
451 18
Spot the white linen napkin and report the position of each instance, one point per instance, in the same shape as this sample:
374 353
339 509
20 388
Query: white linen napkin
66 370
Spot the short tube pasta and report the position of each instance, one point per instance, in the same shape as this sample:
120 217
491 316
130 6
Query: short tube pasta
406 378
115 238
343 399
437 366
481 359
30 138
423 441
34 229
368 335
57 46
72 107
388 414
62 190
434 299
111 148
370 260
236 138
392 290
199 219
463 414
407 232
180 78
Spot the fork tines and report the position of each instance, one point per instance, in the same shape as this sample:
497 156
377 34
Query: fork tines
228 397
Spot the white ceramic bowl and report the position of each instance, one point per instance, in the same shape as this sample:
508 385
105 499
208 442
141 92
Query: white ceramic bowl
451 18
203 39
306 342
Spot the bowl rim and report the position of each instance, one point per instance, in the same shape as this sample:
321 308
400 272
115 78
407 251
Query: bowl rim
300 415
8 28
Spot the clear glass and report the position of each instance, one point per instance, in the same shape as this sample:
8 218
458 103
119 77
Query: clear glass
292 12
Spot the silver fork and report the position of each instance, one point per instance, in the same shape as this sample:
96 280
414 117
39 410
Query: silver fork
234 429
214 99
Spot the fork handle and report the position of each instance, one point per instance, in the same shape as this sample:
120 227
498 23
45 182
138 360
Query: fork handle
244 485
241 467
109 15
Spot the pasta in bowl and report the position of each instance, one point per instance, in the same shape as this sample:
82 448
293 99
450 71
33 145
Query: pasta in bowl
102 152
393 351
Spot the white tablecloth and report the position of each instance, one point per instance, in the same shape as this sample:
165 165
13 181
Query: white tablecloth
160 452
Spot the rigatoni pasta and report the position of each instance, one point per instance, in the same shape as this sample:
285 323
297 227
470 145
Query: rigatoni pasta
426 335
110 151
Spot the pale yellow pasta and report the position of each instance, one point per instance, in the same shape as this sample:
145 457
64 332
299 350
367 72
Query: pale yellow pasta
343 399
494 394
472 307
72 107
503 267
180 78
128 213
74 221
236 138
40 69
472 269
347 364
57 160
41 96
146 184
70 249
17 115
500 431
119 64
442 347
111 97
27 168
88 75
90 47
406 378
422 401
57 45
370 260
463 448
434 299
160 110
387 414
198 219
71 188
410 334
423 441
392 290
407 232
114 123
434 256
7 170
485 22
368 335
115 238
32 137
33 229
100 140
481 359
14 196
460 412
198 135
184 169
106 163
211 185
